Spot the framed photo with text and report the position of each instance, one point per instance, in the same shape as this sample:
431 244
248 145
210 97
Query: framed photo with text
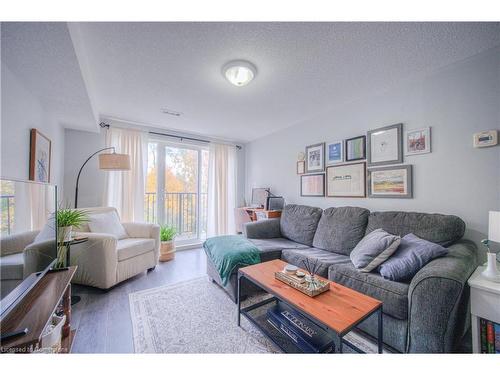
315 158
347 180
312 185
385 145
355 148
390 182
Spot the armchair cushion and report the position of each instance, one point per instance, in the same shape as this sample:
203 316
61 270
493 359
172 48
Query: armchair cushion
11 267
107 222
132 247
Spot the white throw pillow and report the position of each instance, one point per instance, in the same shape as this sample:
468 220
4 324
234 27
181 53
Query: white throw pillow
107 222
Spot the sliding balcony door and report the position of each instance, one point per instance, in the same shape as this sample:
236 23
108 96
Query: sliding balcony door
176 188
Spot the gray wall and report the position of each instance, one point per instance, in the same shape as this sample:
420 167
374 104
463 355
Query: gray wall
22 111
455 178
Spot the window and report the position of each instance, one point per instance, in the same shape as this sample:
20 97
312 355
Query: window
176 188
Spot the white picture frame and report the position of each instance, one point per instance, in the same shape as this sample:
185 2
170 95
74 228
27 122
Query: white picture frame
418 141
334 152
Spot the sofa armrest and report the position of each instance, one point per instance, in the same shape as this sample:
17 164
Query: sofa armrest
438 301
145 230
16 243
262 229
97 259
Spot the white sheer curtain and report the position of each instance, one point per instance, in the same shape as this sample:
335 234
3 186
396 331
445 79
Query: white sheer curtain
124 190
221 189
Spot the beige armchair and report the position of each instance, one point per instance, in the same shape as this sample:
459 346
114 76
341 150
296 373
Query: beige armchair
104 260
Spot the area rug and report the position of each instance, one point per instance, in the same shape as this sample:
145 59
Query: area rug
197 316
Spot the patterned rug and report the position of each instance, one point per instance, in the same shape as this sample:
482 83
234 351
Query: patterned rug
197 316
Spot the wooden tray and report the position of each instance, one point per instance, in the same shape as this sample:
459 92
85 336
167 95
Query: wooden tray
302 287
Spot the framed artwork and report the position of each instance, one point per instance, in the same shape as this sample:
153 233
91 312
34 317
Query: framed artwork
385 145
301 167
312 185
390 182
315 158
418 141
355 148
40 149
334 152
347 180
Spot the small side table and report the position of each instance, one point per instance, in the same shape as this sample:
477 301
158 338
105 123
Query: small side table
485 303
75 241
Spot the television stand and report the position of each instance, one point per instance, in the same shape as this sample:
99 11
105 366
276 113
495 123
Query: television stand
34 312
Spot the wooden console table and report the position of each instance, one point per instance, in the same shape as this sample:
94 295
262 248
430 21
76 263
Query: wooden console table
35 312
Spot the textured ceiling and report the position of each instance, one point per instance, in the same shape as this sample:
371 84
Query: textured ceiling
42 56
134 69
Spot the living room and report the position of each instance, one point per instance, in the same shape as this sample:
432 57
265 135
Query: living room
250 187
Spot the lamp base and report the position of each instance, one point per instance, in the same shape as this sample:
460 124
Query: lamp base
491 272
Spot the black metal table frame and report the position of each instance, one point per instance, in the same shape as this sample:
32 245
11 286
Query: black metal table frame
341 340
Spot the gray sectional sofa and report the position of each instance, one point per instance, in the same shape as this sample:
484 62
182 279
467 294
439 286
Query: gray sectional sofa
429 313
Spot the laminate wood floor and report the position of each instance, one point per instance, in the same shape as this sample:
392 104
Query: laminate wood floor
102 319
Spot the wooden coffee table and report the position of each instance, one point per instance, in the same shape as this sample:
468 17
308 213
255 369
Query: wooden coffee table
338 310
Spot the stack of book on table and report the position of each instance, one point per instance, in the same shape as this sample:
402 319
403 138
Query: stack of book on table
307 336
490 336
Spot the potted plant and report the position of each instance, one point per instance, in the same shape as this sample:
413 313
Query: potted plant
67 219
167 248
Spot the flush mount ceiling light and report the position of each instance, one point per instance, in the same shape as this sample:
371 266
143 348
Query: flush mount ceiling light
239 72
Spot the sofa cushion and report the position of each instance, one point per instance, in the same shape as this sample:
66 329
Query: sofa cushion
271 248
298 223
340 229
394 295
441 229
374 249
413 254
132 247
11 267
325 258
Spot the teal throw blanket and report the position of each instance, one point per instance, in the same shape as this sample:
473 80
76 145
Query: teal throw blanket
227 252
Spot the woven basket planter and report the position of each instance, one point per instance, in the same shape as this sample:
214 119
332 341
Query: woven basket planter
167 251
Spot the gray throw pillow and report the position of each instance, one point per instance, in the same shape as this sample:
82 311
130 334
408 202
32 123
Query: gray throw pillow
413 254
374 249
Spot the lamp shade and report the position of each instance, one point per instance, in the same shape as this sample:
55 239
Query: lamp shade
114 162
494 226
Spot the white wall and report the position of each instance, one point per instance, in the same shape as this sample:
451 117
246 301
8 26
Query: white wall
455 178
22 111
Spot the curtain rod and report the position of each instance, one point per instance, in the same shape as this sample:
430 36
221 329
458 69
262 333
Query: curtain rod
104 125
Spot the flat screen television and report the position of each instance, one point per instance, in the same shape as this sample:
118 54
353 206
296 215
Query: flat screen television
28 233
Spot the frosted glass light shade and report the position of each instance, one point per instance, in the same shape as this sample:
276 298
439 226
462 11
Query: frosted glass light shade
114 162
494 226
239 72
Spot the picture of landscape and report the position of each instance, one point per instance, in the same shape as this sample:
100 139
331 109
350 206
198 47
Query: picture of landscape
390 182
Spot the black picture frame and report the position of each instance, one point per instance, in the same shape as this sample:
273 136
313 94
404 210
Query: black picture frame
305 176
347 143
322 158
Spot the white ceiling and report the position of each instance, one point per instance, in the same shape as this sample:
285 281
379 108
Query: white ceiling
131 70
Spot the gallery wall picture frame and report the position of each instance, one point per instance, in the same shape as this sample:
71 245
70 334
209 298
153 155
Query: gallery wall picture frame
40 157
355 148
312 185
315 158
334 152
417 141
385 145
390 182
301 167
346 180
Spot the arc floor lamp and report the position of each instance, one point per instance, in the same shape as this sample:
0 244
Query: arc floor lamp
107 162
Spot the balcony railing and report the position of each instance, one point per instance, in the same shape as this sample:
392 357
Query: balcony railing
179 211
